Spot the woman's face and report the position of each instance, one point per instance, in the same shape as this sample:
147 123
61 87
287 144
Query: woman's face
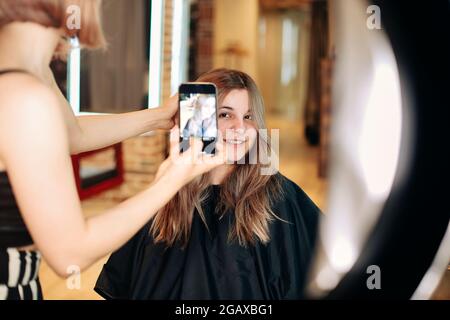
236 124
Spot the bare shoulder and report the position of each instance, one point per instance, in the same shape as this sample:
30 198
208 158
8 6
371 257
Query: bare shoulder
22 93
24 88
28 108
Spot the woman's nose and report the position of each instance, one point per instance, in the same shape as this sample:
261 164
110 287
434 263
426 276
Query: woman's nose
238 124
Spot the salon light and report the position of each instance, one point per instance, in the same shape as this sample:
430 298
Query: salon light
156 47
365 142
180 28
342 254
326 278
378 146
289 51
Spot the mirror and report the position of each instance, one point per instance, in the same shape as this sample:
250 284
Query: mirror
115 80
289 48
108 81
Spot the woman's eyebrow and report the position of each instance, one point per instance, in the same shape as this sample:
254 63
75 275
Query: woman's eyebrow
226 107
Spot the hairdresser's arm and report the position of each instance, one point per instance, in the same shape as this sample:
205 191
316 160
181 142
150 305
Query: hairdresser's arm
91 132
34 147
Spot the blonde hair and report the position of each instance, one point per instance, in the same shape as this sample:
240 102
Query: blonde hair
245 190
54 14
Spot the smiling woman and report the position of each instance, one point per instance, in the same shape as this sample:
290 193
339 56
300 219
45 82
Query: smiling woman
241 114
233 233
236 124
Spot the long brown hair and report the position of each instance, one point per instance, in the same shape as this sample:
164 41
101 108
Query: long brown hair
246 191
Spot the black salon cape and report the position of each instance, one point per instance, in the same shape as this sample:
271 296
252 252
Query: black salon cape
211 268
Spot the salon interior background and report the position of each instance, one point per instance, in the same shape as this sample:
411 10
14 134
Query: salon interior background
286 46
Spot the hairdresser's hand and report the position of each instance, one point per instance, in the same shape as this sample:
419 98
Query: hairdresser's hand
184 167
167 113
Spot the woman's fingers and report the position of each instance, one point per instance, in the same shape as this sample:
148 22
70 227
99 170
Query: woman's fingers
220 151
176 118
220 148
166 124
195 147
194 156
217 159
171 105
174 142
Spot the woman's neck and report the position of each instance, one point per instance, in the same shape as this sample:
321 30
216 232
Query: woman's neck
27 46
218 174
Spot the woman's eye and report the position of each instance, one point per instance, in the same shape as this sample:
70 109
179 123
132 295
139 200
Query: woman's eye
224 115
248 117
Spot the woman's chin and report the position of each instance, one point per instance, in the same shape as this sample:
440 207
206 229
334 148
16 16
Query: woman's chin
235 153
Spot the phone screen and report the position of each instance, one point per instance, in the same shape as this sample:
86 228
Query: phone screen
198 115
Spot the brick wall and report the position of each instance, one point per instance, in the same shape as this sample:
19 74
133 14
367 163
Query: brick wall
167 57
142 157
204 36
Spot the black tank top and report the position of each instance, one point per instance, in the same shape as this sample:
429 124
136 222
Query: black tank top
13 232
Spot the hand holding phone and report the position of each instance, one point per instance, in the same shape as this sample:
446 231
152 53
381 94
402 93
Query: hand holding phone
198 114
183 167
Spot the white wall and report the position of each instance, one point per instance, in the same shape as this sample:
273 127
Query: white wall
284 61
236 21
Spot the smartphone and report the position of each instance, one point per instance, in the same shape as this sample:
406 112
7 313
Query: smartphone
198 114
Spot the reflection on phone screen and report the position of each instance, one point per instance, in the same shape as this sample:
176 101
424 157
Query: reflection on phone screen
198 119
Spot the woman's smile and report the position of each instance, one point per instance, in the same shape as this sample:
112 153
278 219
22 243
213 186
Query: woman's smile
235 141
